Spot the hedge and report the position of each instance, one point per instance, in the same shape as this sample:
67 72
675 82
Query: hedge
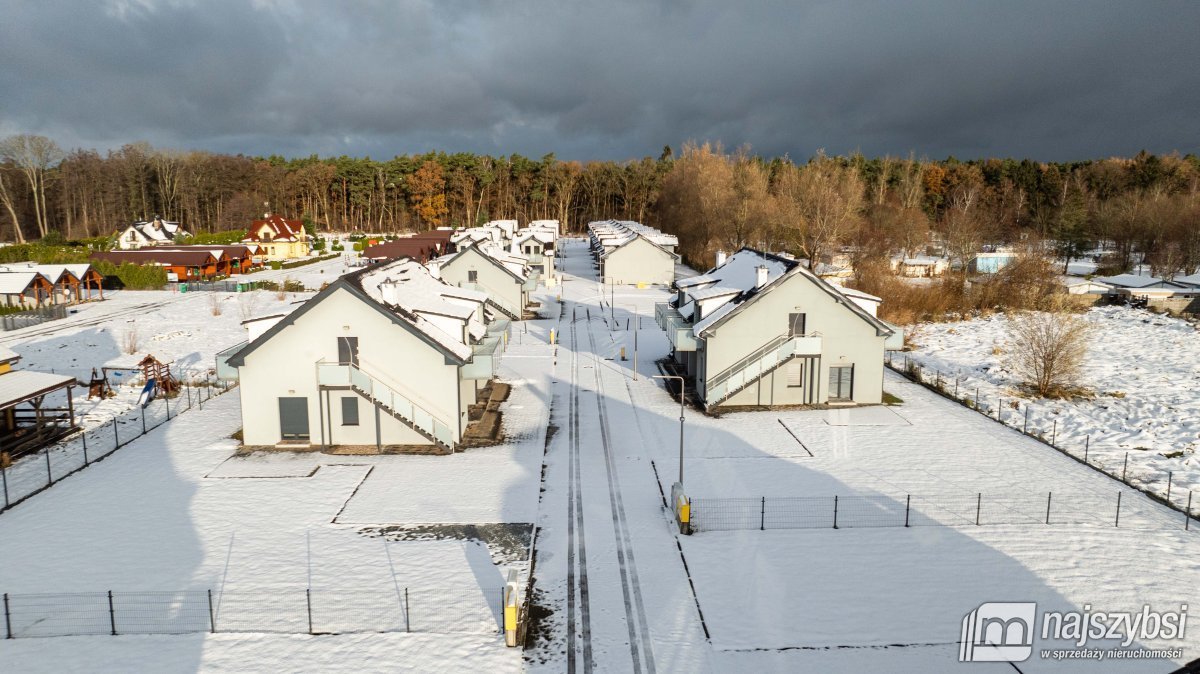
133 276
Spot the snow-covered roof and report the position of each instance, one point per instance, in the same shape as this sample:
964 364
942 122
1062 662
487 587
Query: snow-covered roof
736 276
851 292
1070 281
407 285
21 385
15 282
157 230
616 233
7 355
1192 280
1131 281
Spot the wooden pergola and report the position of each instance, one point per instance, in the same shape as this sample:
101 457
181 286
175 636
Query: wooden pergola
27 429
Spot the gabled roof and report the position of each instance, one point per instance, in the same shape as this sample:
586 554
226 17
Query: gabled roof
155 255
17 282
52 272
745 298
447 260
282 229
353 283
1192 280
635 237
156 230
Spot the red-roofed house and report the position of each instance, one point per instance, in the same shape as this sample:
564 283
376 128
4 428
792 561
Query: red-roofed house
280 238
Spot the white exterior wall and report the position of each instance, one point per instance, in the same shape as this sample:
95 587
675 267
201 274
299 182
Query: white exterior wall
491 279
639 261
846 339
285 366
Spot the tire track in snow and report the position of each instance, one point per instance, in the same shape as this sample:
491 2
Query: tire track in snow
640 646
576 548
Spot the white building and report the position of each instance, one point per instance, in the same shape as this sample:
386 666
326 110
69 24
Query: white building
537 245
505 277
761 329
387 356
632 253
153 233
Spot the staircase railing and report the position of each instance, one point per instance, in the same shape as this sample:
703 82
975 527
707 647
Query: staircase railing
748 369
397 404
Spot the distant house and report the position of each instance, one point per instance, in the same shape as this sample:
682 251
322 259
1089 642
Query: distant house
761 329
231 259
505 277
537 245
1134 281
421 250
632 253
1077 285
154 233
193 264
386 356
991 262
1190 281
26 423
279 238
921 267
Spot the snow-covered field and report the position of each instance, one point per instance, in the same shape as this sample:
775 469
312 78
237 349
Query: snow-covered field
1143 368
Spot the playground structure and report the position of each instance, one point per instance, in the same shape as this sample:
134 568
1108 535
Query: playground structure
165 383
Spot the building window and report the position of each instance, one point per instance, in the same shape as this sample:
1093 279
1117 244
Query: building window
347 350
795 374
796 325
349 411
472 276
841 382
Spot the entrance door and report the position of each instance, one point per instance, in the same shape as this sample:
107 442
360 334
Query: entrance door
347 350
293 418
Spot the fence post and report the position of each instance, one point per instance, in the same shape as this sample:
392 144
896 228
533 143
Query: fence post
999 408
1048 495
143 420
167 402
1124 467
835 499
1087 441
308 600
956 387
112 614
907 503
4 478
85 456
7 619
762 515
1187 514
1025 429
1054 433
407 627
212 621
1117 522
187 386
1169 476
50 478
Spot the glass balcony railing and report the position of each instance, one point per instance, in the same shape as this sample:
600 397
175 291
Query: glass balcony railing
225 371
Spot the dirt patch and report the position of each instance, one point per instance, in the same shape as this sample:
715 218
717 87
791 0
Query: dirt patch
507 542
372 450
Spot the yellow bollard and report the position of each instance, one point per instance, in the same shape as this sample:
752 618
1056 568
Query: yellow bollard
622 353
552 335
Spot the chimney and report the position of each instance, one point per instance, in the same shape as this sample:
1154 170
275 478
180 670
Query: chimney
720 258
389 292
760 276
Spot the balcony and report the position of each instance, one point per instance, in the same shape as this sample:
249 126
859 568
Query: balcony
485 358
225 371
679 331
531 283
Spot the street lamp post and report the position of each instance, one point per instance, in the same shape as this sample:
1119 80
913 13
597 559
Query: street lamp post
681 383
635 338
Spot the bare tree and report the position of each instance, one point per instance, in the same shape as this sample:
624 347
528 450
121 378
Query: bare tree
247 304
129 340
7 200
1047 349
821 203
214 303
33 155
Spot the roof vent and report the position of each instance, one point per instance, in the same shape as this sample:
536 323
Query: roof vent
720 258
760 277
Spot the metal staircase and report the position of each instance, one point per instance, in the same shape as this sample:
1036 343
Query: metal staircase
759 363
388 399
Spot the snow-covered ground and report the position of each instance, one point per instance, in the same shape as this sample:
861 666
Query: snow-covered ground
1143 368
175 510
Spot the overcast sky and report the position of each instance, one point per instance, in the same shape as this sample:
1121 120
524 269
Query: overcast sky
606 79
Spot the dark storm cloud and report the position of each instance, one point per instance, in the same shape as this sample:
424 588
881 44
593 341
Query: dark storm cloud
1051 80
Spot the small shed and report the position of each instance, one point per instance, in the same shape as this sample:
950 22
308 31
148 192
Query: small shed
26 424
25 289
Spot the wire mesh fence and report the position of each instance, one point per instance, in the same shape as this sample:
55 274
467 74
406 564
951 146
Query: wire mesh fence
36 471
24 319
289 610
1086 447
911 510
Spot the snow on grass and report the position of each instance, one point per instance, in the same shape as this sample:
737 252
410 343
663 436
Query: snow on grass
1143 368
